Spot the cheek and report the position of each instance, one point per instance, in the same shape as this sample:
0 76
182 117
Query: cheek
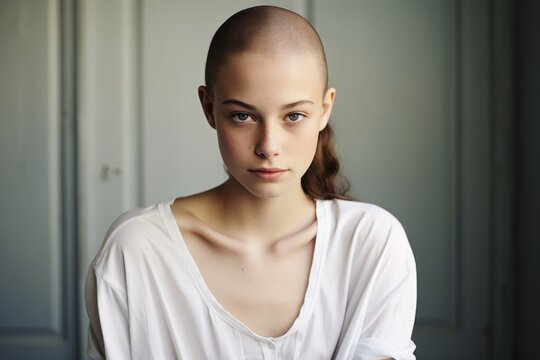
306 148
231 147
313 147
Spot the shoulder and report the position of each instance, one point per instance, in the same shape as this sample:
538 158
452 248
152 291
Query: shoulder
136 222
347 213
368 231
131 235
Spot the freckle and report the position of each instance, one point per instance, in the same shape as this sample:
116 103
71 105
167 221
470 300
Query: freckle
243 269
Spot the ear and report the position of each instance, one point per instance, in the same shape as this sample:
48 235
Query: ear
328 104
207 105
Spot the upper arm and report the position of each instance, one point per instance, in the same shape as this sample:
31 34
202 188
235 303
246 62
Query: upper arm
386 297
108 333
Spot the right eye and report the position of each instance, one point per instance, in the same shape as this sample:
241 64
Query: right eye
240 117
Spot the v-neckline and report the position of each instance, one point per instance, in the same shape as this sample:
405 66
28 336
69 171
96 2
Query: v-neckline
212 302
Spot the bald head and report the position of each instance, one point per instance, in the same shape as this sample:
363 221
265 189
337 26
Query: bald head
265 29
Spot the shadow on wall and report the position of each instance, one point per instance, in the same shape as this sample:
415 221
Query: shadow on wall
527 102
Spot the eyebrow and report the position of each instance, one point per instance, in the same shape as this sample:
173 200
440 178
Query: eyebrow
251 107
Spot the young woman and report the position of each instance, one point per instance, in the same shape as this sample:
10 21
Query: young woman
275 263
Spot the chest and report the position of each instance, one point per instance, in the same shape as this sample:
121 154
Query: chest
265 292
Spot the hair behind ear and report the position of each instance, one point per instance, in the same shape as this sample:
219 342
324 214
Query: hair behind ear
322 179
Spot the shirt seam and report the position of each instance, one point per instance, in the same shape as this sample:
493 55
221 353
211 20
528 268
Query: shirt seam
109 283
117 228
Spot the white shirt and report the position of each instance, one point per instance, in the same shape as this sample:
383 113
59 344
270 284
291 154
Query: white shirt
146 298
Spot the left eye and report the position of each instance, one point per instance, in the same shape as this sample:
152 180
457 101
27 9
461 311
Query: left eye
295 117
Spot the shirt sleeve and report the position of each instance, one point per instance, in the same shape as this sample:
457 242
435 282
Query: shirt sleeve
387 307
381 305
108 333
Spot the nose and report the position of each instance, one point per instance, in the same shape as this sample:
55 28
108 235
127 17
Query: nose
268 142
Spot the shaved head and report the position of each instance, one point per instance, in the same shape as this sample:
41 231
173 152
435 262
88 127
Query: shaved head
266 29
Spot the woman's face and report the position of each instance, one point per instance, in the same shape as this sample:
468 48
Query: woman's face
268 111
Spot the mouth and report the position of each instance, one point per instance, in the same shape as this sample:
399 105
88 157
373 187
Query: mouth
268 173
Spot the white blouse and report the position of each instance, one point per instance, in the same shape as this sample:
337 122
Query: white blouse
146 298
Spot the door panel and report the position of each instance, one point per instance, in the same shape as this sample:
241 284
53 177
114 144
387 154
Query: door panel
37 308
396 121
412 128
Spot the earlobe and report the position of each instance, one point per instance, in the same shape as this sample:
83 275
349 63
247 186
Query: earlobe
328 104
207 105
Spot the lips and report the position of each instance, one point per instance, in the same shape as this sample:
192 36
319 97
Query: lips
268 173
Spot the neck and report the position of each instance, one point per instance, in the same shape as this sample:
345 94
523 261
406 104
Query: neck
263 219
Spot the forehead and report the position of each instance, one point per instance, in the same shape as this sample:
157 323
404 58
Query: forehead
276 71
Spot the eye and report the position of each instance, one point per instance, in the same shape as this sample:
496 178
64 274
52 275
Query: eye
295 117
240 117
